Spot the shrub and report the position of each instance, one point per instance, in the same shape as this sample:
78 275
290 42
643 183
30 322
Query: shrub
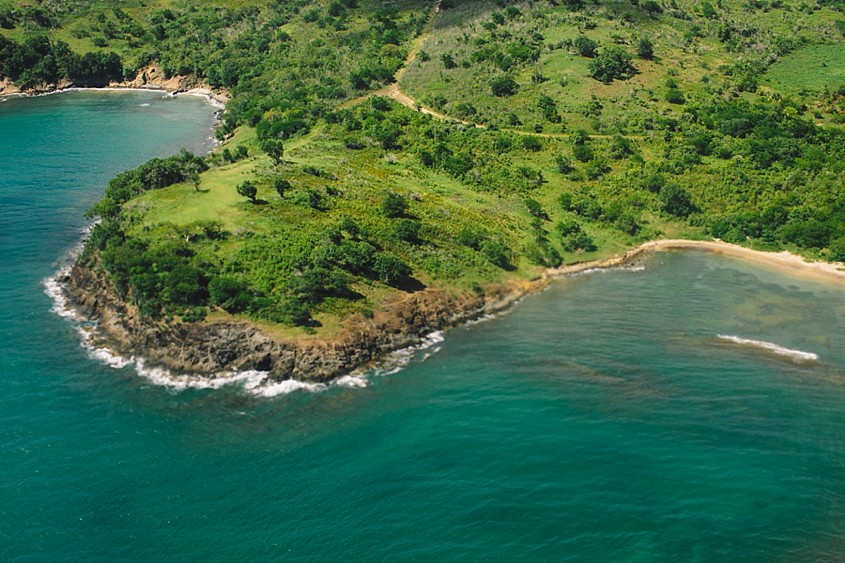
247 189
504 86
408 230
676 200
652 7
585 46
229 293
675 96
497 253
535 209
390 269
612 63
532 144
394 205
645 49
281 186
564 165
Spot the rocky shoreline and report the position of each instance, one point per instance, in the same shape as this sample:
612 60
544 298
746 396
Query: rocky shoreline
215 349
150 78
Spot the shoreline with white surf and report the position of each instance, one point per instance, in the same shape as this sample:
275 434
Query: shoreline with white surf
263 383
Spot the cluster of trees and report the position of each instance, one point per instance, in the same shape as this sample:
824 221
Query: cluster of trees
153 175
173 271
39 60
238 48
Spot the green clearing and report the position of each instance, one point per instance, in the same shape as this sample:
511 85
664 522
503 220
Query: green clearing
813 68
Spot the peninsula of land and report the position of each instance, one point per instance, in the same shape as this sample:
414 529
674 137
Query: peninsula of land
390 170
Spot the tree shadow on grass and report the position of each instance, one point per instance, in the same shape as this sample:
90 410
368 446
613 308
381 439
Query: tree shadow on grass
411 285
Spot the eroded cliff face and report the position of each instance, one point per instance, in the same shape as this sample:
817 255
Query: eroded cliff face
212 348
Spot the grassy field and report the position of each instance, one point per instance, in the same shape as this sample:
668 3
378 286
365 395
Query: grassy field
810 69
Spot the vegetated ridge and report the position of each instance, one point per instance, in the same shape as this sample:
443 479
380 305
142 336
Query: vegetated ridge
383 159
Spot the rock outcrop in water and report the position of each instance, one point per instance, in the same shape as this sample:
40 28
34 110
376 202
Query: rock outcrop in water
213 348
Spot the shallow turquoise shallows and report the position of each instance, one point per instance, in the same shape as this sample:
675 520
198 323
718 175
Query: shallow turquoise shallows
603 420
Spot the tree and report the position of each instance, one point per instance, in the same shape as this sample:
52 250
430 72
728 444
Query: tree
535 209
408 230
192 173
390 269
676 200
675 96
504 86
394 205
247 189
612 63
275 148
645 49
281 186
585 46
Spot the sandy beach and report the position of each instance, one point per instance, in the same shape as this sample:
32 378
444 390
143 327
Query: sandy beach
783 261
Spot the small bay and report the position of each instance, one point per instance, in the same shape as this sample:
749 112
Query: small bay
606 418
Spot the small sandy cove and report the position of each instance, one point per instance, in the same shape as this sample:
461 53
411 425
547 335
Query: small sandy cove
783 261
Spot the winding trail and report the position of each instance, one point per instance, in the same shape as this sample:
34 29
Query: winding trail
394 92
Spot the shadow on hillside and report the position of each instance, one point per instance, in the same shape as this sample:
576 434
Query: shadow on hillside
411 285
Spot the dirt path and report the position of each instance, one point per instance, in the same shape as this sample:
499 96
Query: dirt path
395 93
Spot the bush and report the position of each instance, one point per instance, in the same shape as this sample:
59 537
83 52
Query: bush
535 209
582 153
281 186
247 189
586 47
675 96
229 293
194 314
390 270
497 253
676 200
564 165
408 230
504 86
652 7
612 63
645 49
577 241
394 205
531 143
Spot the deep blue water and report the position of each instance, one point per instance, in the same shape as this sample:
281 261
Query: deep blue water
602 420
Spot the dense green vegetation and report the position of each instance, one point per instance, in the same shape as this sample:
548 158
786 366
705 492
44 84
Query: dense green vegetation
561 131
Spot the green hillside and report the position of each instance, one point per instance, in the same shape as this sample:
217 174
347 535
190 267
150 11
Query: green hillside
518 136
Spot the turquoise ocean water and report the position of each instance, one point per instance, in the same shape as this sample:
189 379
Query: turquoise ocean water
604 419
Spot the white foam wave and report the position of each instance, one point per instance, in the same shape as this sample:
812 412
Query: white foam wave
351 381
288 386
798 356
482 319
398 360
628 268
53 289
